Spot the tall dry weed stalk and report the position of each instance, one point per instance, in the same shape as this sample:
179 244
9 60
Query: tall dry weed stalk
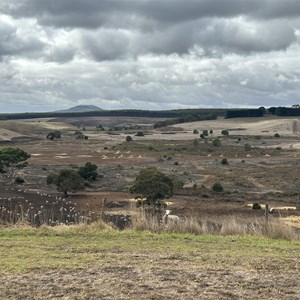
221 226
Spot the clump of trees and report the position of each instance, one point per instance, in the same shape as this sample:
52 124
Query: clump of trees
53 135
66 180
186 118
245 113
12 160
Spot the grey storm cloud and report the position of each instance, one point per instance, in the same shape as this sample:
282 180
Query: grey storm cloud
73 13
149 53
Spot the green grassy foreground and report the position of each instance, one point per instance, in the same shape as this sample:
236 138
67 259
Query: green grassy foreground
27 249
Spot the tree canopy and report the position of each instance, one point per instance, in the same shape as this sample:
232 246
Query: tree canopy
67 180
153 185
12 160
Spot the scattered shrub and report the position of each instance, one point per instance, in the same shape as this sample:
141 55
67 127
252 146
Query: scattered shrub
225 132
247 147
256 206
195 131
276 135
53 135
128 138
205 132
19 180
216 143
176 163
140 133
224 161
217 187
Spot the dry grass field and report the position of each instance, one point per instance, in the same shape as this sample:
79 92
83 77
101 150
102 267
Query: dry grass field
97 264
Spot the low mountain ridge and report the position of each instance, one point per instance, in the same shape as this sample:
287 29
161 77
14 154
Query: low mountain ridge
80 108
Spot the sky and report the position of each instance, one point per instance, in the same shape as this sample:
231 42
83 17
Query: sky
148 54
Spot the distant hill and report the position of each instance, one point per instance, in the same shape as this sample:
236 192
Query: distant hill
80 108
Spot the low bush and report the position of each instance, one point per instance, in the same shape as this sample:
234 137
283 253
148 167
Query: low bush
224 161
217 187
256 206
19 180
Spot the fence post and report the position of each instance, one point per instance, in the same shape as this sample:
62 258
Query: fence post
266 215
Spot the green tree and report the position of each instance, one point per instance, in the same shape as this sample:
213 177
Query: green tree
153 185
67 180
12 160
53 135
88 171
128 138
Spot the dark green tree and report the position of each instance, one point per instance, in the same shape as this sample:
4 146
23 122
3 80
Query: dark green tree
12 160
88 171
67 180
128 138
153 185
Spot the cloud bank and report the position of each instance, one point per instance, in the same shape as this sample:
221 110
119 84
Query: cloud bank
148 54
